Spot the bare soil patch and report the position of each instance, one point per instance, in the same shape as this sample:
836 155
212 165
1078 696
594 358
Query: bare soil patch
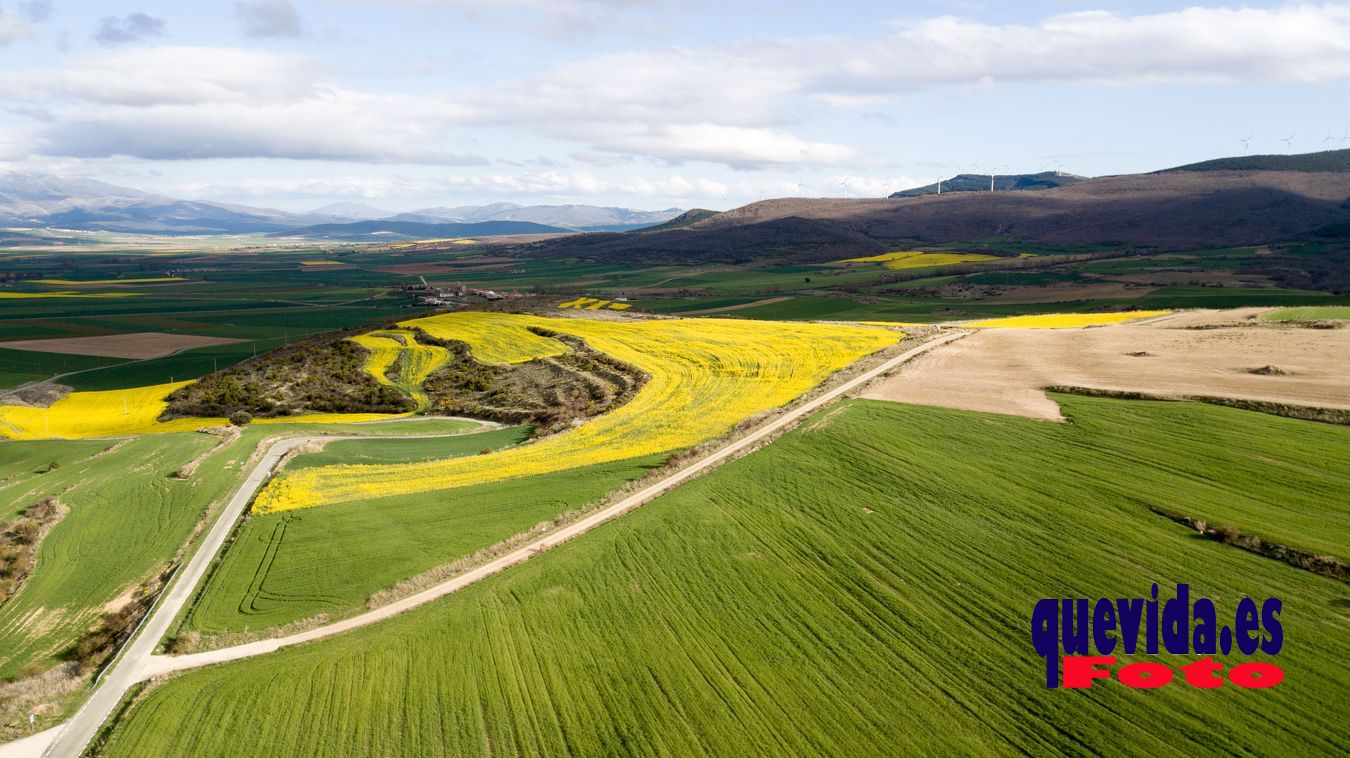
137 345
36 395
1004 370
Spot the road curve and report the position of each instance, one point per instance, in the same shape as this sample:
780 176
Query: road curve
138 661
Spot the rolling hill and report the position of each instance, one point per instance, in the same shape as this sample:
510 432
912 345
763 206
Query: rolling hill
1179 209
1327 160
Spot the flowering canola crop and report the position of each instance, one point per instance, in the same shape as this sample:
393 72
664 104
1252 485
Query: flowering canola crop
122 413
594 304
706 375
916 259
495 339
415 360
1063 320
96 414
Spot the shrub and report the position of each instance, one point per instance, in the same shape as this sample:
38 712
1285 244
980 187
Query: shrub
241 418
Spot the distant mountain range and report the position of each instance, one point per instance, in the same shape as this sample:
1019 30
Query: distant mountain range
45 201
384 229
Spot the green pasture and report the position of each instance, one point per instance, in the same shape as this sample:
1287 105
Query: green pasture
863 586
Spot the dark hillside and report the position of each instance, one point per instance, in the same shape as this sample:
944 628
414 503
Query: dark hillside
1176 210
1327 160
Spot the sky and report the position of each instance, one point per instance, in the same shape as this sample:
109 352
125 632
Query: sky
649 104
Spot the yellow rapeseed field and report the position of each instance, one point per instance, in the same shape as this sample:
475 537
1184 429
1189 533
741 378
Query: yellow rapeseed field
96 414
322 263
122 413
917 259
494 339
594 304
415 360
1063 320
706 375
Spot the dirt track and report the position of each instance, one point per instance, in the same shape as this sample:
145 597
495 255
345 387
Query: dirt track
1003 370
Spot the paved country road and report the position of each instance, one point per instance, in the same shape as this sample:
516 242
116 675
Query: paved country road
137 662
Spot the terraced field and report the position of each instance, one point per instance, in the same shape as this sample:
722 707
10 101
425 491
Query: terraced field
706 377
829 594
494 337
397 352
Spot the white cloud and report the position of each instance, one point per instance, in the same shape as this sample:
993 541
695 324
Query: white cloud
1195 45
742 104
336 126
150 76
174 103
734 146
732 104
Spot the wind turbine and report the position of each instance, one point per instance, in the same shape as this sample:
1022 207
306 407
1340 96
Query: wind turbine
1328 140
1244 143
1289 142
844 184
1346 138
993 171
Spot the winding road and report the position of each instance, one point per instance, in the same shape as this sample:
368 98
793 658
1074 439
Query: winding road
138 662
